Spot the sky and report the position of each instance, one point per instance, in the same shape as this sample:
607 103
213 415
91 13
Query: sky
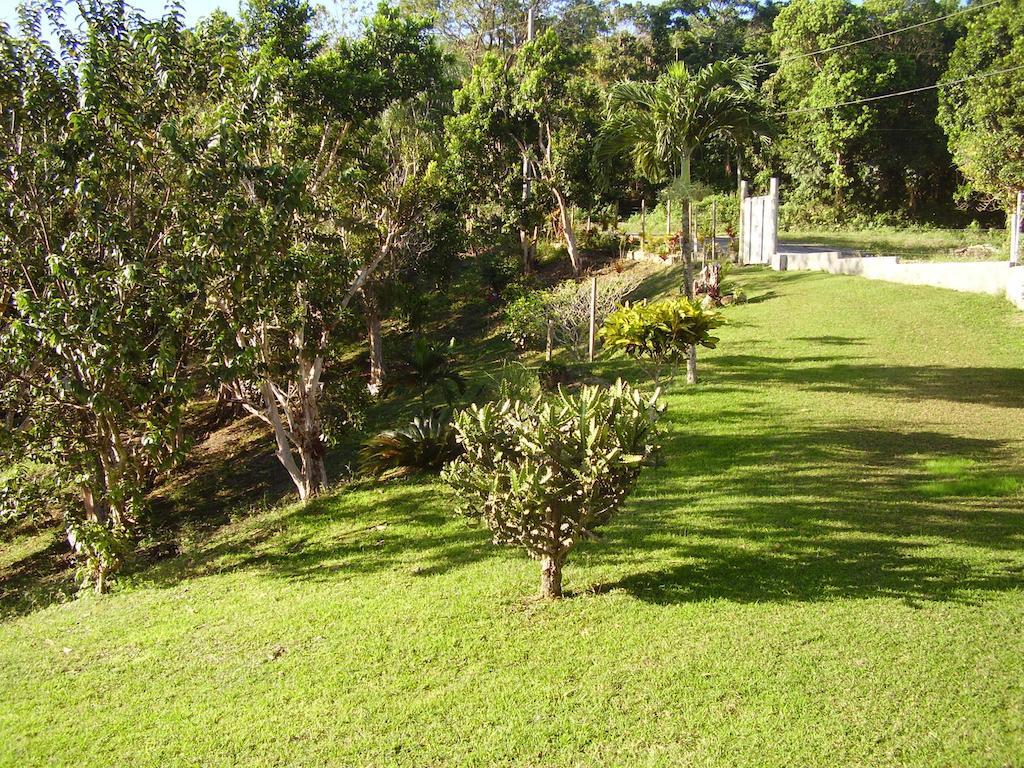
194 9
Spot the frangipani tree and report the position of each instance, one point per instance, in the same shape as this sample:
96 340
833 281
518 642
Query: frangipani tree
544 475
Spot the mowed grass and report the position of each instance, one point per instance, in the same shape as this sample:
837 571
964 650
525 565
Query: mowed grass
811 579
910 243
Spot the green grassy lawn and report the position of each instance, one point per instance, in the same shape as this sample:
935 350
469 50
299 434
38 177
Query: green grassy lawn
909 243
828 570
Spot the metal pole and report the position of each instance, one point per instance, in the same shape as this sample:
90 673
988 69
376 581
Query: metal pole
1015 236
551 339
593 316
529 24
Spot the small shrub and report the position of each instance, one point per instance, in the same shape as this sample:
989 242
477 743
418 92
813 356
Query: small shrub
429 367
659 333
512 381
99 552
550 253
544 475
605 241
500 267
525 320
568 305
426 444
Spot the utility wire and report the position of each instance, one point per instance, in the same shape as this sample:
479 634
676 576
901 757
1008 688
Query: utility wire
879 36
901 93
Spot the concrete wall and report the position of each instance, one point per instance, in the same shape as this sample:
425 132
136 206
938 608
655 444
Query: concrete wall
997 278
1015 286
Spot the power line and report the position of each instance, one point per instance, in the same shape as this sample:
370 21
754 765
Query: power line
901 93
879 36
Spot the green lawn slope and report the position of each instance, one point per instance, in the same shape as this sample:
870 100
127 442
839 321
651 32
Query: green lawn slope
828 571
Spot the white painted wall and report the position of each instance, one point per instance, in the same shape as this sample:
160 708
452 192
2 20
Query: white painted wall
997 278
1015 286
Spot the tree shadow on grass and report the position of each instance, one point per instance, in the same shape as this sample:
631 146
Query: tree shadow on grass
818 515
338 537
979 385
811 570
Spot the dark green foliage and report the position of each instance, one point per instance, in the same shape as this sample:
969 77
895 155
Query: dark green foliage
430 367
553 375
883 157
426 444
984 118
100 299
525 319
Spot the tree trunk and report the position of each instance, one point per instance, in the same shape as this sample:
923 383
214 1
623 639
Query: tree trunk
524 245
686 244
550 577
284 447
312 449
376 342
570 233
668 216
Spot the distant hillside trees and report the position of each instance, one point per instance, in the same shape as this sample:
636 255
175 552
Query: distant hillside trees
984 118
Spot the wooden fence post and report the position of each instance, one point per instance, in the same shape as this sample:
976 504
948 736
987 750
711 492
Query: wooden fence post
714 227
643 225
593 316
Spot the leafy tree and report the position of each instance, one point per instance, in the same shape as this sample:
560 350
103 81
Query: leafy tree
297 226
623 56
101 298
874 157
984 118
409 216
545 475
661 125
532 117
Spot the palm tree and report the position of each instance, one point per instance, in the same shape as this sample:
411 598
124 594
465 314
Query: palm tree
661 124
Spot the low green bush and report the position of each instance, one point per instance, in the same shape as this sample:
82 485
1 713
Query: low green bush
426 444
525 319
